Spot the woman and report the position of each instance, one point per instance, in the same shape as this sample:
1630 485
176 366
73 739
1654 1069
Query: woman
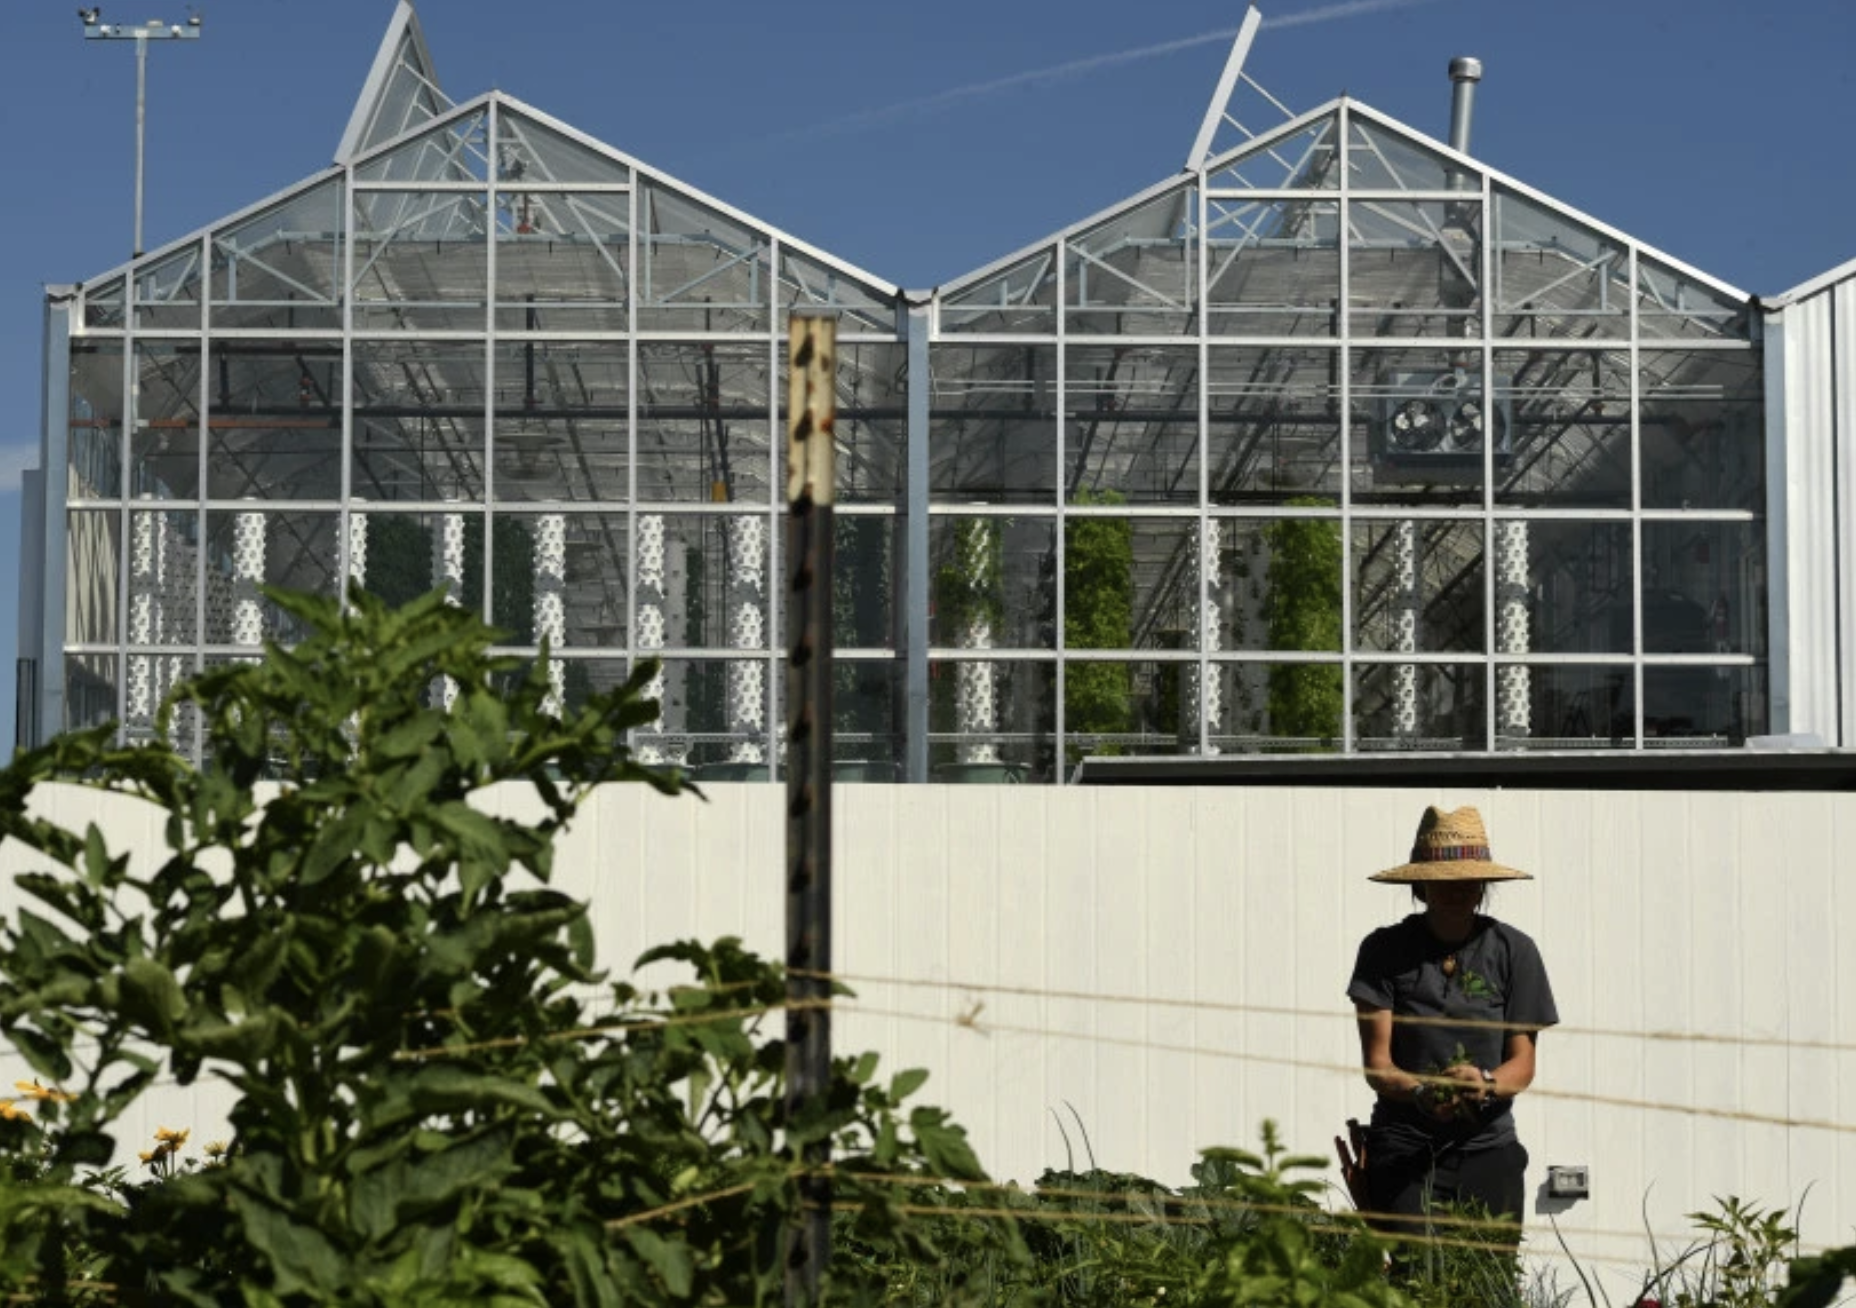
1442 1129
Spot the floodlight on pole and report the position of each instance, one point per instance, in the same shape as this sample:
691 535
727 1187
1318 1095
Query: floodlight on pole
95 29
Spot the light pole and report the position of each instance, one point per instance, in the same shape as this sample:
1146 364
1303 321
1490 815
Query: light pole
141 33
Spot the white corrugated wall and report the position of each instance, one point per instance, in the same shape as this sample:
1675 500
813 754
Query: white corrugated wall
1233 914
1811 353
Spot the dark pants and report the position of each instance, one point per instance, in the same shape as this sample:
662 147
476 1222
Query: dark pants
1419 1181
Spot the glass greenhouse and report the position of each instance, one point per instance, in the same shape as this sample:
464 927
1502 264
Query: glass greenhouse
1337 441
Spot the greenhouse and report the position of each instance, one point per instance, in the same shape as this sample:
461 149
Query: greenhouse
1334 441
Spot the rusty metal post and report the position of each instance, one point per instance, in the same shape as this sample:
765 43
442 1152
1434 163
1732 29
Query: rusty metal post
810 450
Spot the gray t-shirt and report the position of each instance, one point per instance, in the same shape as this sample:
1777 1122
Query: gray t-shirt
1497 977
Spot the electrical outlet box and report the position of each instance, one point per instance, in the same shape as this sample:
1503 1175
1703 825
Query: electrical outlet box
1569 1183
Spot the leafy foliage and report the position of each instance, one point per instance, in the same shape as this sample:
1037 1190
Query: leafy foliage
1098 613
1303 611
431 1108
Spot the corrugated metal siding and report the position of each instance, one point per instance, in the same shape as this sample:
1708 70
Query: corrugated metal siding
1806 451
1841 346
1666 912
1816 338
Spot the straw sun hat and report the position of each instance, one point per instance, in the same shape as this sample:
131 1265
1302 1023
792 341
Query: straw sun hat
1451 847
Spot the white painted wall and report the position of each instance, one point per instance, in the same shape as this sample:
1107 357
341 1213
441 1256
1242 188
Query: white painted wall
1811 465
1719 913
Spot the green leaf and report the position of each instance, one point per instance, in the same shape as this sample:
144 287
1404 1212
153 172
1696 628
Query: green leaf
669 1259
906 1083
301 1257
586 1264
440 1088
151 995
409 738
944 1146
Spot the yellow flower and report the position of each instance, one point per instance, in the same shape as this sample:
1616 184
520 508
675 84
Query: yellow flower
10 1113
151 1157
217 1148
173 1139
33 1090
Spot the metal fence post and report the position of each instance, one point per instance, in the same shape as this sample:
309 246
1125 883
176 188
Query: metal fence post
810 450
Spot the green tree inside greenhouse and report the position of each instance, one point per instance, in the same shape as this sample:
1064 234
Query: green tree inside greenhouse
1303 612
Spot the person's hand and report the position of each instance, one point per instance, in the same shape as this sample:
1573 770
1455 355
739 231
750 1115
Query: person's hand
1438 1098
1469 1091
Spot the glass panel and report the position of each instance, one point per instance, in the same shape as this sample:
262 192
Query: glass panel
1419 423
1704 588
1576 597
408 98
805 281
703 423
1020 299
1671 304
397 557
863 581
1704 708
993 582
164 437
583 678
1419 706
866 742
274 428
1308 159
1555 277
1381 159
94 441
1569 411
1566 706
1122 708
89 691
710 590
1418 586
563 262
252 547
1278 586
1277 708
1415 267
991 722
1274 436
1123 585
92 569
1273 267
1138 273
579 557
702 271
418 420
458 151
872 422
167 291
562 420
993 423
1132 423
700 730
281 269
527 150
164 579
103 304
1703 429
419 261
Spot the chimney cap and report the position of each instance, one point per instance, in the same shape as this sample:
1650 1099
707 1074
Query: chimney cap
1465 69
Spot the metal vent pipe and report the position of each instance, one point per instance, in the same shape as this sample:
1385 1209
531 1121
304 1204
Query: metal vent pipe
1464 74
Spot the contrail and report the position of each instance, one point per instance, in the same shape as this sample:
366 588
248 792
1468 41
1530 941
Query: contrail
1347 9
867 118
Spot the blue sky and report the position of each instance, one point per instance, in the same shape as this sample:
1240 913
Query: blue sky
921 141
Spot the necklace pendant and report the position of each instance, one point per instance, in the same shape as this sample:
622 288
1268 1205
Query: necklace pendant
1449 965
